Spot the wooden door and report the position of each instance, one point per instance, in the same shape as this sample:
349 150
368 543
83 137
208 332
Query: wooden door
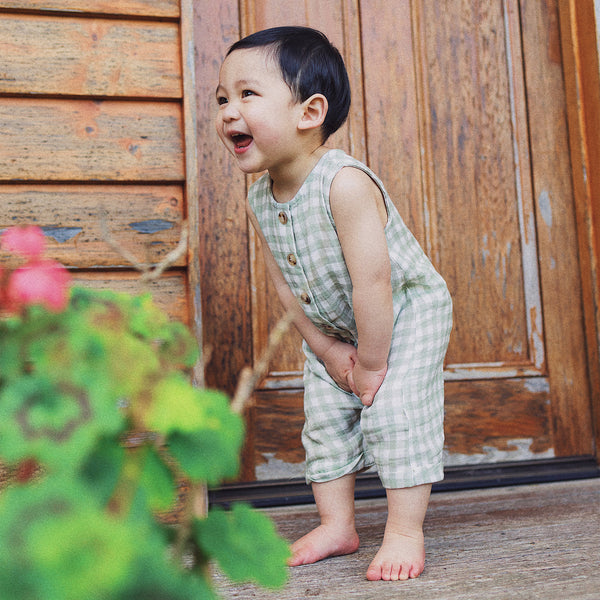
460 108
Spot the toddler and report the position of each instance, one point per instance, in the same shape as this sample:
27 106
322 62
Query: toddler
374 314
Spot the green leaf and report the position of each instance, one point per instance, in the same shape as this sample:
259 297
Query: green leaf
205 456
176 405
157 483
208 451
155 579
245 544
40 419
59 545
101 470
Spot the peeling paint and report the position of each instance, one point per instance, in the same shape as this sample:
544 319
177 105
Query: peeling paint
537 337
519 449
498 370
545 208
276 468
152 225
539 385
61 234
485 253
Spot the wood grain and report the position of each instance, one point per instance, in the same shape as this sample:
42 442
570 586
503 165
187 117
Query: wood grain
142 8
464 116
223 232
557 232
538 541
89 57
84 140
146 220
169 292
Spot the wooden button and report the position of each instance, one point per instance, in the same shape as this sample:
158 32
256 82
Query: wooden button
283 218
305 298
292 260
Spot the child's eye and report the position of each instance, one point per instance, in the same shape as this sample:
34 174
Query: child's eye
221 100
247 93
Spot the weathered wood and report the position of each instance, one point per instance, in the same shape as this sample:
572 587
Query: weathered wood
146 220
83 140
475 188
525 542
141 8
469 135
497 420
578 24
556 231
169 292
486 421
393 45
278 418
190 128
223 234
89 57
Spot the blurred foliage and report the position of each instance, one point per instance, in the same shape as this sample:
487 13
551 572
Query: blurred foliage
82 517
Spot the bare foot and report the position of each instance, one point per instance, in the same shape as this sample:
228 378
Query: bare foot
400 557
322 542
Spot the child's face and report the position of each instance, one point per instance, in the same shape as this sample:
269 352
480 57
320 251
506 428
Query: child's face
258 116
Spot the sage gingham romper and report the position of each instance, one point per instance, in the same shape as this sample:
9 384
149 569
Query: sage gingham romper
402 432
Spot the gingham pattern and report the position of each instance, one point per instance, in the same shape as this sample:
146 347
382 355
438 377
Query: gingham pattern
402 433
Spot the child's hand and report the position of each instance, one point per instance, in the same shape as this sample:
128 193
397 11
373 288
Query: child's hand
339 360
365 383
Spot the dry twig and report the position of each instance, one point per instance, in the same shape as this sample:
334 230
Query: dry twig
149 272
249 378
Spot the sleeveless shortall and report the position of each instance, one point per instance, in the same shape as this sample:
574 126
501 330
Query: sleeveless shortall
402 432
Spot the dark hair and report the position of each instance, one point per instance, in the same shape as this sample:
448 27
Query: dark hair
309 64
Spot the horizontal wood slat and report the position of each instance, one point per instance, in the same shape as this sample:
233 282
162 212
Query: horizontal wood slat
145 220
145 8
83 140
93 57
169 292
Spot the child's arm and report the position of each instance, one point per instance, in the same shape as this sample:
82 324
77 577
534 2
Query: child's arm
360 215
338 357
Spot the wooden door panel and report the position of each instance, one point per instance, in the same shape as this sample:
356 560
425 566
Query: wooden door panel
478 179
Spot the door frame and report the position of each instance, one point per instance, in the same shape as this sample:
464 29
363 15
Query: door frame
579 42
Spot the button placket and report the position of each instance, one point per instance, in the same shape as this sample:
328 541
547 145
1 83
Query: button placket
291 257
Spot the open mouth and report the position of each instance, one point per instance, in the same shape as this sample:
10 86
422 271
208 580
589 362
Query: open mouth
241 141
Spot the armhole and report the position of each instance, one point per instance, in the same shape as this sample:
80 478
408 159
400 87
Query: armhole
373 178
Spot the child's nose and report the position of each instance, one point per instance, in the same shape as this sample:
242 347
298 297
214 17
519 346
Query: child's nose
230 112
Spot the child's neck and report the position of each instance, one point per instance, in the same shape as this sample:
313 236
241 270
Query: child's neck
287 180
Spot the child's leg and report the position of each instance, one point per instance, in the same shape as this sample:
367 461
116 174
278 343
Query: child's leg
402 554
336 534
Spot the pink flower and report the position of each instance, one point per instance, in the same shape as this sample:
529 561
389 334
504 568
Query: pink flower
28 241
44 282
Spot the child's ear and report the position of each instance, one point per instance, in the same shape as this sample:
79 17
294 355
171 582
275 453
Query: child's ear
314 112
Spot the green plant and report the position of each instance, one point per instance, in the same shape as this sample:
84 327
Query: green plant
84 377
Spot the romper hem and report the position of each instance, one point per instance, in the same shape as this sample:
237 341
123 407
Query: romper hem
358 466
